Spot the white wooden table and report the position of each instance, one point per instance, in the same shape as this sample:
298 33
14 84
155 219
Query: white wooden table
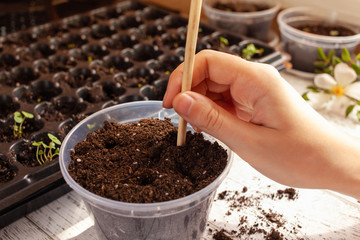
314 214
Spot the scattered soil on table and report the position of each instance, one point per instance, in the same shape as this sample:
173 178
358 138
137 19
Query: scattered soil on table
238 7
327 30
271 225
140 162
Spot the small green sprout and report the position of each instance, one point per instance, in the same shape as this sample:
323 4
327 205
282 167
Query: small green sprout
250 51
223 41
19 118
45 153
326 63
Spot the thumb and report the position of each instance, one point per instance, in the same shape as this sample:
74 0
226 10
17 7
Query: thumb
205 115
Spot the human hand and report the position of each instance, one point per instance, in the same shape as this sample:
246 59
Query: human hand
254 111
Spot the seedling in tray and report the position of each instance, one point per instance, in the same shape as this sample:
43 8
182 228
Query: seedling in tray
45 153
250 51
19 118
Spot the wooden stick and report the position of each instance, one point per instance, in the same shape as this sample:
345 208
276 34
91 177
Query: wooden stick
190 47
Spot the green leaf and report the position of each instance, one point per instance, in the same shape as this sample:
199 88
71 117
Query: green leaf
313 89
41 152
54 139
349 110
358 56
358 115
57 151
358 102
18 117
16 128
224 41
331 54
320 64
321 54
52 145
345 55
36 144
336 60
27 115
305 96
356 68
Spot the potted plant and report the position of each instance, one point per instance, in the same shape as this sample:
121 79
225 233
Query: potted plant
304 30
249 18
128 217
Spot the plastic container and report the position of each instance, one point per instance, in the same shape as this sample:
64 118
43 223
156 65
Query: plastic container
252 24
302 46
183 218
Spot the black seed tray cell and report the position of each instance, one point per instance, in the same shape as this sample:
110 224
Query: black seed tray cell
63 71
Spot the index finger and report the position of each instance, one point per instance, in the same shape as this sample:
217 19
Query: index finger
216 70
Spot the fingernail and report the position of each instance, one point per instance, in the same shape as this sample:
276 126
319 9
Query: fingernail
183 105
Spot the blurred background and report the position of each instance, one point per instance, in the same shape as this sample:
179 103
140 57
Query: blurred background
21 14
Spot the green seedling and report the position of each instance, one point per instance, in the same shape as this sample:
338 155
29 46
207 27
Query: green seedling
223 42
46 153
250 51
327 62
19 118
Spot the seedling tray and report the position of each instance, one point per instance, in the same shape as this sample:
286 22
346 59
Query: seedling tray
63 71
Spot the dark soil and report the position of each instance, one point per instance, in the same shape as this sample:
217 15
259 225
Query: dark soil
327 30
140 162
6 170
269 222
238 7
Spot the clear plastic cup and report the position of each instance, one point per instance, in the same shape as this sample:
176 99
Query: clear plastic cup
302 46
251 24
183 218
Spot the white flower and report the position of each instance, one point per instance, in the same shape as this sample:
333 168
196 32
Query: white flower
340 90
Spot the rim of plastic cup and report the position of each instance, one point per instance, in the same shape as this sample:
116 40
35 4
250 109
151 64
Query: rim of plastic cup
262 13
288 30
107 203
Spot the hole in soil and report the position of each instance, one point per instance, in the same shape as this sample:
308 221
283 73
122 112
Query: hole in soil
78 77
173 40
30 125
7 171
5 78
100 31
169 62
77 54
126 22
48 30
138 77
155 92
174 21
94 50
25 152
143 52
117 62
72 40
7 105
23 75
130 98
121 41
77 21
42 65
104 13
221 40
68 124
20 38
7 61
61 63
103 91
149 31
150 13
130 6
38 91
60 108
